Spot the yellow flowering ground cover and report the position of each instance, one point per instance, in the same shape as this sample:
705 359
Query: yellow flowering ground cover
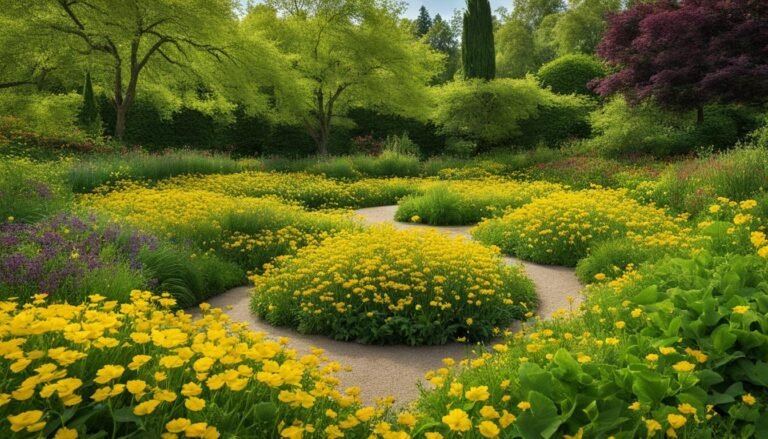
469 201
561 228
312 191
383 285
249 231
121 369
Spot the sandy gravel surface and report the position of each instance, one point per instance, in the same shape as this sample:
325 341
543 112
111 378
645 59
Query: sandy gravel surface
395 370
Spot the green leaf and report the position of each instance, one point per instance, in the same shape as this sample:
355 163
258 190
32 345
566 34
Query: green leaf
541 421
568 368
650 387
264 412
723 338
125 415
648 296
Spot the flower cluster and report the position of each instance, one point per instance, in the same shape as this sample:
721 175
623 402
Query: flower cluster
103 367
388 286
562 227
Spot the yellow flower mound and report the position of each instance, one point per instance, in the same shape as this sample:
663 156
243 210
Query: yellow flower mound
384 285
165 372
561 228
179 210
312 191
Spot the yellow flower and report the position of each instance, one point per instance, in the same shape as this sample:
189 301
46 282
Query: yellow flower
748 204
748 399
758 239
457 420
136 387
406 419
488 412
178 425
433 435
108 373
665 350
365 414
198 429
146 407
506 419
740 309
714 208
600 276
29 420
741 218
620 324
583 359
652 357
652 426
676 421
763 252
686 409
194 404
524 405
66 433
683 366
635 406
292 432
488 429
479 393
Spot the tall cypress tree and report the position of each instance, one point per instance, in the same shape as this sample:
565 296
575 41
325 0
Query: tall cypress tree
90 119
478 53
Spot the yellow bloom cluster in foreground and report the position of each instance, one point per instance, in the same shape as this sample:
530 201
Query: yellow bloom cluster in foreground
384 285
139 365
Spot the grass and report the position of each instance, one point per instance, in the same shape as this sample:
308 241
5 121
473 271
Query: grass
87 175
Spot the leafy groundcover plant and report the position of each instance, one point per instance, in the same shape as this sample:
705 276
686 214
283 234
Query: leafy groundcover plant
384 286
140 370
676 349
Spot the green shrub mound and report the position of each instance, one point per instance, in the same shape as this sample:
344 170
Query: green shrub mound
384 286
571 74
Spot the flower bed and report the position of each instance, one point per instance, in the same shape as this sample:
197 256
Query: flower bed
387 286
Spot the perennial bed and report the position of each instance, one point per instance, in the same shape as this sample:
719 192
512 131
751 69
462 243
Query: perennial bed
385 286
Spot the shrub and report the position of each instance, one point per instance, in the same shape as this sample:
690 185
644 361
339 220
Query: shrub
561 228
141 367
571 74
30 191
467 202
610 259
402 145
385 286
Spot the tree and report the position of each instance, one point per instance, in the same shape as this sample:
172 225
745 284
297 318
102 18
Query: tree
478 53
689 53
532 12
444 39
580 28
516 50
423 22
349 53
129 39
90 119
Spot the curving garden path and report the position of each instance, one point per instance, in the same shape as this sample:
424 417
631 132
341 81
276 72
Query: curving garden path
395 370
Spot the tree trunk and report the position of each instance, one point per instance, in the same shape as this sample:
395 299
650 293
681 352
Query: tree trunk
322 143
120 120
699 115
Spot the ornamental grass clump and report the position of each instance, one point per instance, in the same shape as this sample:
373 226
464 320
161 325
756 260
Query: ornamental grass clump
103 369
386 286
562 227
467 202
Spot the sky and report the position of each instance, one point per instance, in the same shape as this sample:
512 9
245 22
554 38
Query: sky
445 7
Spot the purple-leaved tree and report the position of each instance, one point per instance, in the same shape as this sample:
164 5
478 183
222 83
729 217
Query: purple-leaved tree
688 53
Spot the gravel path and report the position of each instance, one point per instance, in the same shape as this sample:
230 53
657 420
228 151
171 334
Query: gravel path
395 370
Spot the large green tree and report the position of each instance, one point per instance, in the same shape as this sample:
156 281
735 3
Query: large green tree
443 38
423 22
580 28
348 53
127 40
478 52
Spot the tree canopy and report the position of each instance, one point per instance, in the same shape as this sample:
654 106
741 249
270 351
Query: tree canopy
690 53
478 52
348 53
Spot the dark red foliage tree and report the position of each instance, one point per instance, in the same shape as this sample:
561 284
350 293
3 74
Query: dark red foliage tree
688 53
